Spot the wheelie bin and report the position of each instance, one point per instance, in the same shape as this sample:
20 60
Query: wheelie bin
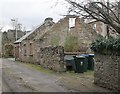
85 61
79 63
91 62
70 63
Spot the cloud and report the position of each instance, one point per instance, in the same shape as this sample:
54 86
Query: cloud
30 12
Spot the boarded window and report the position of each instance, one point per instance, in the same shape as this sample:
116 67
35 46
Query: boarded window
71 23
31 48
25 51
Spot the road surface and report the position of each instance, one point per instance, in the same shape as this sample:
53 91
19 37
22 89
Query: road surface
18 78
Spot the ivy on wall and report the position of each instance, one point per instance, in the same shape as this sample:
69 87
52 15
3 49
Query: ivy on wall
108 46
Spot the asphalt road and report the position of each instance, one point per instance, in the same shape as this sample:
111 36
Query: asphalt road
2 81
18 78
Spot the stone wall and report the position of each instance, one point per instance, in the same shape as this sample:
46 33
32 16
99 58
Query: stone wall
106 71
28 51
0 43
52 58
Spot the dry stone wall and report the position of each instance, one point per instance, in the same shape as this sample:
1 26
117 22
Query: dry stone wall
107 71
52 58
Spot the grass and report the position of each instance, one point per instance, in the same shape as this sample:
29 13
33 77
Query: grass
89 72
48 71
39 68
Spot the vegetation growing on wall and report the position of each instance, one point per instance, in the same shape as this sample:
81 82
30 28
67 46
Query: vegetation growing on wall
108 46
8 51
54 40
71 43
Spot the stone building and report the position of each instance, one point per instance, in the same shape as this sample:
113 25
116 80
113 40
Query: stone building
49 31
0 43
101 29
27 48
8 39
98 27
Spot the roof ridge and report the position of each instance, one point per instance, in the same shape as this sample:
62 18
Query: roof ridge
27 34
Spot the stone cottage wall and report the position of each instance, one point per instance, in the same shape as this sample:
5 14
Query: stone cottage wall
106 71
52 58
0 44
25 55
60 31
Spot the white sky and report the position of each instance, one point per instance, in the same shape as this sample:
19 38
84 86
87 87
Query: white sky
30 13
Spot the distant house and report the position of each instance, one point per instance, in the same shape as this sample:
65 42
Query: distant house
50 33
101 28
98 27
0 43
8 39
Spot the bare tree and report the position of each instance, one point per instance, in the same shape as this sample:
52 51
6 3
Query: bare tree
98 10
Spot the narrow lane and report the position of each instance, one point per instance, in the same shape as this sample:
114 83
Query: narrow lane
21 78
5 86
18 77
0 75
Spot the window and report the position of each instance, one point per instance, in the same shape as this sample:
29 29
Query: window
25 52
94 27
71 23
31 49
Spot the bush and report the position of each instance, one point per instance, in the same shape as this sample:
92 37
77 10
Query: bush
71 43
54 40
103 45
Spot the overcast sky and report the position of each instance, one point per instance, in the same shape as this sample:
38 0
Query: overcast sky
30 13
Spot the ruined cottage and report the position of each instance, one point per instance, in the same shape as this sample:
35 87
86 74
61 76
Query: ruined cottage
27 47
48 40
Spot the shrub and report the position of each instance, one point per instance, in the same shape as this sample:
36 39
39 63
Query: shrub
71 43
103 45
54 40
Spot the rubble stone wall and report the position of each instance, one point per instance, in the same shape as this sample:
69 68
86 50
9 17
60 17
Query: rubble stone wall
52 58
107 71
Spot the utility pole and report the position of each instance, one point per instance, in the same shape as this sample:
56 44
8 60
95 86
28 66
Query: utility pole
24 30
15 25
19 26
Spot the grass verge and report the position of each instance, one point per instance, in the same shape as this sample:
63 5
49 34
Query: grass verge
39 68
48 71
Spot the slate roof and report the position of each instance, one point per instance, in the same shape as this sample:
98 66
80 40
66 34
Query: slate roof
26 35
